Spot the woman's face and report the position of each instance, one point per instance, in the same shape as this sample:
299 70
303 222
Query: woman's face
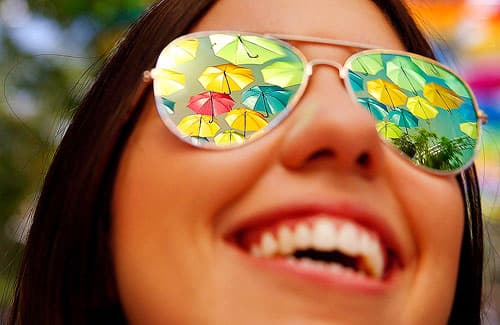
192 228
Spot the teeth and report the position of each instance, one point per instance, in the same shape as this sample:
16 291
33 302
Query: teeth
325 235
285 240
348 240
334 268
303 236
256 251
373 256
268 244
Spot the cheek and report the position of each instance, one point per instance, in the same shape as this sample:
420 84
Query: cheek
156 244
163 222
435 211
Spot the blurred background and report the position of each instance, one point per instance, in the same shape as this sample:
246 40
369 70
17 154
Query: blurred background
50 51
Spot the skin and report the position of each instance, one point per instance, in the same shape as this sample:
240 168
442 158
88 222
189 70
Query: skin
172 202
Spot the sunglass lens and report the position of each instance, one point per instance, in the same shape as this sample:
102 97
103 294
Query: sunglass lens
421 108
226 89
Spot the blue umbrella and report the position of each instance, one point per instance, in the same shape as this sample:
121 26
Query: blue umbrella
267 99
404 118
376 108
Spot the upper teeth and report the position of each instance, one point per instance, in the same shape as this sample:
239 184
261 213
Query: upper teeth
324 234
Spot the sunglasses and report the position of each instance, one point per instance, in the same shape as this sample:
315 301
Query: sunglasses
224 89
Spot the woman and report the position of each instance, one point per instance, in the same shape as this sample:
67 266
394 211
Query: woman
135 225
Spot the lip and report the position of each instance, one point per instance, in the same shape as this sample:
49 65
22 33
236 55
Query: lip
341 210
323 280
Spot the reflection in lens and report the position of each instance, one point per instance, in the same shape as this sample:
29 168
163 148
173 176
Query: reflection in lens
422 108
226 88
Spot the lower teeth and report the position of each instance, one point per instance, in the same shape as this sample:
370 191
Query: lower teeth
330 267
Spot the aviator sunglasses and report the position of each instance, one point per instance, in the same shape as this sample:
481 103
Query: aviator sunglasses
222 89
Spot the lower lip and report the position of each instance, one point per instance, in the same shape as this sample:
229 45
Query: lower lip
324 279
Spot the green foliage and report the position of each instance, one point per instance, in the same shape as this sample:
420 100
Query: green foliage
428 149
106 12
53 85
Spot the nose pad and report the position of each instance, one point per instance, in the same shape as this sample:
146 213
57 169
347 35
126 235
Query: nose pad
328 126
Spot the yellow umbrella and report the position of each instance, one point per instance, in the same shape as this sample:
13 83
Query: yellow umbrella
229 137
420 107
245 119
167 82
198 126
226 78
179 52
441 96
388 130
386 92
469 128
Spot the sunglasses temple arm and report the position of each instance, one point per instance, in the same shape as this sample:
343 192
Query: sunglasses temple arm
149 75
321 40
482 116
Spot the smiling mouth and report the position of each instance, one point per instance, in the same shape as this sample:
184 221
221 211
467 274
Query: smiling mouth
323 244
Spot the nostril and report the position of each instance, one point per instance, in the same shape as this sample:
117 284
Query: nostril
323 153
364 160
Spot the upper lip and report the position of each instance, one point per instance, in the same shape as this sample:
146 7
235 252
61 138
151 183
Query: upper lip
342 210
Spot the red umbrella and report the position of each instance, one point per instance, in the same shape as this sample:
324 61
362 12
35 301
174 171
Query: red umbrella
211 103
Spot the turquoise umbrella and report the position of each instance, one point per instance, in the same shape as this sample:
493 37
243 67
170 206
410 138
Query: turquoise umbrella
266 99
356 81
198 141
168 105
376 108
402 117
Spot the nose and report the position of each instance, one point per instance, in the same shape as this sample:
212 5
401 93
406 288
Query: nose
328 126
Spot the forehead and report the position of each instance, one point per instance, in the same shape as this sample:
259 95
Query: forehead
354 20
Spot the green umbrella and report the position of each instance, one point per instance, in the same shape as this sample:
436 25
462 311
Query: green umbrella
284 74
421 107
245 49
430 68
405 74
470 128
457 86
388 130
368 64
434 70
377 109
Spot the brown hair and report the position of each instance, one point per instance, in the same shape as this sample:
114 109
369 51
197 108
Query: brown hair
67 275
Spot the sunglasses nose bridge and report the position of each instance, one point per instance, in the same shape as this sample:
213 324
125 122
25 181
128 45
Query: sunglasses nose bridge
321 62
